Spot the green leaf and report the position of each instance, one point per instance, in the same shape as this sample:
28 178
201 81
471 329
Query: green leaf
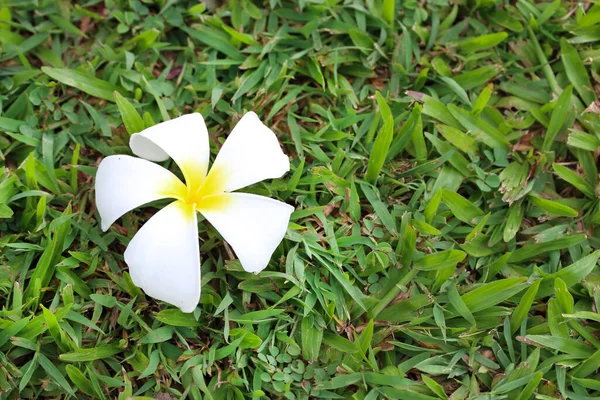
483 42
563 297
457 138
54 329
462 208
364 339
54 372
434 386
480 130
131 118
12 330
534 249
177 318
388 12
257 317
574 179
249 80
558 117
437 110
583 140
490 294
553 207
459 305
339 343
82 81
214 39
82 383
66 25
5 211
570 346
382 142
361 40
556 322
96 353
159 335
576 72
440 260
570 275
522 309
340 381
380 208
531 386
250 340
588 366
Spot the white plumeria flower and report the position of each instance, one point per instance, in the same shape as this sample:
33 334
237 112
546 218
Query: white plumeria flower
164 256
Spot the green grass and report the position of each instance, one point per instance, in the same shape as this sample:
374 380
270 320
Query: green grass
444 174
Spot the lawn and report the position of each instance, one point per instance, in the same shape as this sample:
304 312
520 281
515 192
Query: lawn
444 174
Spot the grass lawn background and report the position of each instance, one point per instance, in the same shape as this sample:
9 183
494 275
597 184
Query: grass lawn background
444 174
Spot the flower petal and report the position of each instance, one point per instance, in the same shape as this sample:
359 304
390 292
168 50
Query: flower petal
124 183
253 225
184 139
250 154
164 257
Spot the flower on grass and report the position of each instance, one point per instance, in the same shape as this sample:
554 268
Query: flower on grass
164 256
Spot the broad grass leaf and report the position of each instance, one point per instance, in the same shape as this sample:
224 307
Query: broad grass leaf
362 40
588 366
256 317
340 381
404 310
490 294
483 42
462 208
55 329
440 260
531 386
459 305
534 249
592 316
514 218
79 380
380 208
388 12
556 322
382 141
55 373
214 39
339 343
459 139
565 345
434 386
131 118
553 207
250 341
439 111
480 130
12 330
576 72
563 297
570 275
91 354
158 335
175 317
574 179
558 118
482 99
82 81
66 25
457 160
520 312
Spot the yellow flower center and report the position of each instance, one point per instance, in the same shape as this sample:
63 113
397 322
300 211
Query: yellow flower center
201 193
